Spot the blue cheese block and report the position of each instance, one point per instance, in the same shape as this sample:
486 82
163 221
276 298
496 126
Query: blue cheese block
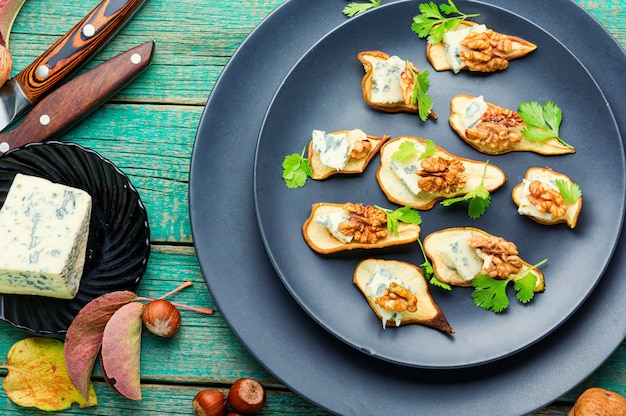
44 229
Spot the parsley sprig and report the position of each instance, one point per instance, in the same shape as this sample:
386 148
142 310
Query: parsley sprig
354 8
419 96
542 121
479 198
296 170
432 23
407 150
429 272
405 214
490 293
570 192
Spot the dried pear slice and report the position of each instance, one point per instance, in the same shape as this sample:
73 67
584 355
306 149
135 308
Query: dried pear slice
397 190
565 212
326 216
456 263
461 107
373 277
438 56
395 95
353 165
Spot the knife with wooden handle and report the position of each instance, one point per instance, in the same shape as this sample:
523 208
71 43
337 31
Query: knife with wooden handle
74 100
61 60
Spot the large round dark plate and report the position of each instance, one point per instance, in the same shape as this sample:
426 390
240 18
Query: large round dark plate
282 336
119 235
323 92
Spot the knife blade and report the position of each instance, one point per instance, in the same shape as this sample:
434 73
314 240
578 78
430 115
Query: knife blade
74 100
69 53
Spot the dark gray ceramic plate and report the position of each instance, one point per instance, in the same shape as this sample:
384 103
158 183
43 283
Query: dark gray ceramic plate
323 91
119 235
284 338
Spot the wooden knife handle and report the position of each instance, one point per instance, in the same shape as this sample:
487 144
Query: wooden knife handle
74 100
75 47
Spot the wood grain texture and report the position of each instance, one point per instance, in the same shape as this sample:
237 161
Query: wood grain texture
148 130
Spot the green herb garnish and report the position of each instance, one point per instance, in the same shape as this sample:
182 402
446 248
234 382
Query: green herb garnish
542 122
296 170
490 293
407 150
405 214
429 272
432 23
419 96
479 198
570 193
354 8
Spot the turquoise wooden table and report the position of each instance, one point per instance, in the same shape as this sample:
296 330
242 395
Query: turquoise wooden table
148 130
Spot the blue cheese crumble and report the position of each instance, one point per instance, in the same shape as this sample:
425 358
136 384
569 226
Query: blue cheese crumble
44 228
332 220
386 88
380 280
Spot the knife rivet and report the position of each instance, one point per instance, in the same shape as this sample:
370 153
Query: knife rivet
43 71
44 119
89 31
4 147
135 58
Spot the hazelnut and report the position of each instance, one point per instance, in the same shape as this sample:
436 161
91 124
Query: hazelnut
246 396
161 318
209 403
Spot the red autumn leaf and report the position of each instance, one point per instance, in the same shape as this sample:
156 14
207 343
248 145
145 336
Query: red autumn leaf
84 336
37 377
121 344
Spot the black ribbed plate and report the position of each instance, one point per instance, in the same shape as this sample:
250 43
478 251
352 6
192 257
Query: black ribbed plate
119 234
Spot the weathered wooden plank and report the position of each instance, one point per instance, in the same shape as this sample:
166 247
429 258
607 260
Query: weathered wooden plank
172 400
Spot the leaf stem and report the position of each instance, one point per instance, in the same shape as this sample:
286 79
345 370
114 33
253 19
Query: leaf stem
206 311
179 288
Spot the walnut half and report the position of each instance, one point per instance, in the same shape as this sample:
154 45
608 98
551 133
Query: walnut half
441 176
366 223
501 256
487 51
397 298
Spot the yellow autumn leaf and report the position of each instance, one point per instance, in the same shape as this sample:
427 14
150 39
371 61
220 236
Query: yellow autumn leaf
37 376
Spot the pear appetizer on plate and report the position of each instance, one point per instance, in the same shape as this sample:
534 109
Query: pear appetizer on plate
331 228
390 84
346 151
459 255
415 172
474 47
548 197
398 294
495 130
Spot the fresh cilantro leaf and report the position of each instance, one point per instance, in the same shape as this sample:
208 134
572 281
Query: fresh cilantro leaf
542 122
405 214
479 198
525 287
431 149
490 293
354 8
296 170
570 193
407 150
419 96
432 23
429 272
